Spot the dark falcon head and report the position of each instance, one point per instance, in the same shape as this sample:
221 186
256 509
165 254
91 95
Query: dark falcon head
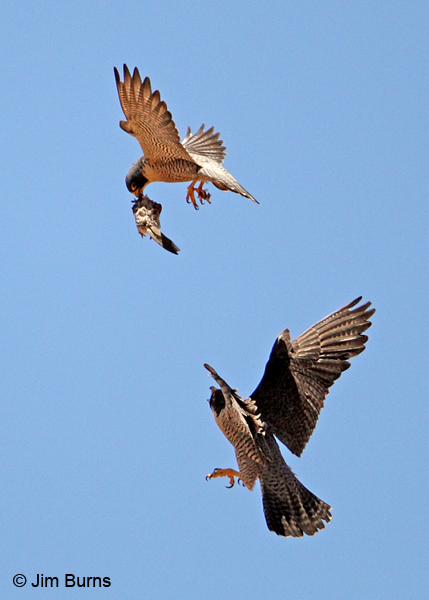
217 401
135 179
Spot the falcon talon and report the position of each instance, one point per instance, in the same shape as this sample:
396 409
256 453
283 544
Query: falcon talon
230 473
191 198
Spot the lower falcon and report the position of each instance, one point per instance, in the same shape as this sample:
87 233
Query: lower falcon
286 404
198 158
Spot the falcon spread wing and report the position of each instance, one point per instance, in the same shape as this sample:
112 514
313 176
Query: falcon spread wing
204 145
148 118
298 375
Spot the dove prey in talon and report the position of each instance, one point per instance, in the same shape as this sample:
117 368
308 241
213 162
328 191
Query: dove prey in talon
146 213
286 405
198 158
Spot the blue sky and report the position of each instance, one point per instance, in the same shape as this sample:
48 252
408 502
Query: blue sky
106 435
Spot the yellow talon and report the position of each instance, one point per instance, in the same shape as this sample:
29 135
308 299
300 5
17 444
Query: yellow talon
231 473
190 197
201 193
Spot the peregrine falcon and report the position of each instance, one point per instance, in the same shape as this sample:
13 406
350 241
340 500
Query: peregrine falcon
197 158
286 404
146 213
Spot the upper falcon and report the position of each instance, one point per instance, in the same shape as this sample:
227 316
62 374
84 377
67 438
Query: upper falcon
286 404
197 158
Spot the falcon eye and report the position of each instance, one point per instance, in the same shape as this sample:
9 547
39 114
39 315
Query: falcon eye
133 187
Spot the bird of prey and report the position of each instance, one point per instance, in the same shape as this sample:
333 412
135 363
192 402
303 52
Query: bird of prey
146 213
286 405
197 158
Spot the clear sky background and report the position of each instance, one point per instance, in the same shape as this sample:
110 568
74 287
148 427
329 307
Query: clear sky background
105 432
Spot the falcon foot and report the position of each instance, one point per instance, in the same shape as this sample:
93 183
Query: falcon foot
201 193
231 473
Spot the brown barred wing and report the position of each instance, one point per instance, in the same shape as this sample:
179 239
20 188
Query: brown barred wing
298 375
148 118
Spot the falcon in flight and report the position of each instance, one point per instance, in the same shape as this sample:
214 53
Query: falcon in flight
197 158
286 405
